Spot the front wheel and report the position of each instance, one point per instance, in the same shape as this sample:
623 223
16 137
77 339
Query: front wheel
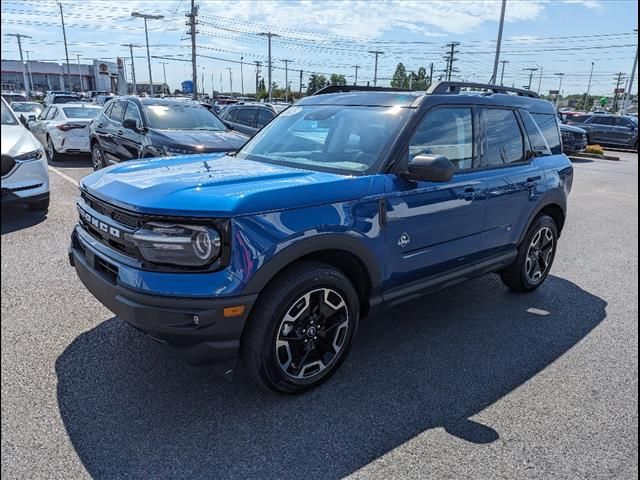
301 328
97 157
535 256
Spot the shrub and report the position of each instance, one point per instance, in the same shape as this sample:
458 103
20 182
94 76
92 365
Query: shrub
597 149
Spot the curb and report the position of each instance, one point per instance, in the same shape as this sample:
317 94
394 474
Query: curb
595 156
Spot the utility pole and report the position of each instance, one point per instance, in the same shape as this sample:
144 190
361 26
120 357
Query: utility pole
269 35
146 34
203 81
241 78
498 44
212 89
133 67
586 97
29 70
24 68
431 74
450 57
300 92
503 62
79 74
355 82
193 13
540 80
286 80
615 93
627 94
164 74
530 70
561 75
258 65
230 81
66 52
375 69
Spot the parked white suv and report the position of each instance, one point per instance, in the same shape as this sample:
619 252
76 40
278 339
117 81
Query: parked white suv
25 178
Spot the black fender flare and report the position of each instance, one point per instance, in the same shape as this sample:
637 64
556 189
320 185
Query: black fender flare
552 199
316 244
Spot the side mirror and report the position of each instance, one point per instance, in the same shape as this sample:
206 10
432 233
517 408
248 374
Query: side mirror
130 124
430 168
23 120
32 118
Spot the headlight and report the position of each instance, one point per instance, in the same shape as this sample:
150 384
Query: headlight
171 151
26 157
187 245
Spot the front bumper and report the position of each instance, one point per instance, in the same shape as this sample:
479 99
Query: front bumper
195 329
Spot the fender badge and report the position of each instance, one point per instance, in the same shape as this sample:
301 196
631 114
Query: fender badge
404 240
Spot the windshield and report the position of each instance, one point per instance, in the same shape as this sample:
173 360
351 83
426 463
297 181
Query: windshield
7 116
182 117
26 107
81 112
334 138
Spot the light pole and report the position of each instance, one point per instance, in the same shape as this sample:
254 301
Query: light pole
540 79
24 69
627 93
80 74
355 81
530 70
29 70
375 70
586 99
269 35
146 34
241 77
66 52
230 81
503 62
498 43
561 75
203 81
286 80
164 76
133 67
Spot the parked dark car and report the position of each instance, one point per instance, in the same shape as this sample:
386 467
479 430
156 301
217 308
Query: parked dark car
250 117
608 129
574 139
133 127
352 199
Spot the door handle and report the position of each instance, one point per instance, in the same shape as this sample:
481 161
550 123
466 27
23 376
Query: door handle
531 183
468 194
100 125
120 132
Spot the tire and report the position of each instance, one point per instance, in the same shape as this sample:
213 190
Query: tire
39 205
296 355
52 154
535 257
97 157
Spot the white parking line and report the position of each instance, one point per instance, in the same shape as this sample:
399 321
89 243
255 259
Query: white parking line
66 177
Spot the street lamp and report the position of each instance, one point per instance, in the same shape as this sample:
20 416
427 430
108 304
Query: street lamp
146 34
559 88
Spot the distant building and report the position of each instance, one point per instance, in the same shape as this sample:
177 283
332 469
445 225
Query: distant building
98 75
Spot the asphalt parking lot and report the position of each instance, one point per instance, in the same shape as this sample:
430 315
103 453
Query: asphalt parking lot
471 382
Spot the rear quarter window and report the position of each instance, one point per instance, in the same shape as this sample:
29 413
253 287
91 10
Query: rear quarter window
548 124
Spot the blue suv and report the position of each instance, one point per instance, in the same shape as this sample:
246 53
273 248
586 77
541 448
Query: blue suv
351 199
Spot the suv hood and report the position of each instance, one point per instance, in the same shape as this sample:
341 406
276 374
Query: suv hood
17 140
211 141
217 185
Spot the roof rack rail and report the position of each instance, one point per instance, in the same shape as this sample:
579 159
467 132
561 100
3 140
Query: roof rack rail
455 87
356 88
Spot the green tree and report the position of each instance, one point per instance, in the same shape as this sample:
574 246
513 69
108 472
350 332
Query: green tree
262 90
400 79
337 79
316 82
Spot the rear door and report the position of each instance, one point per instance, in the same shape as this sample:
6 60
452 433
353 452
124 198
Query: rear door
624 131
601 129
514 179
264 117
37 126
431 226
245 122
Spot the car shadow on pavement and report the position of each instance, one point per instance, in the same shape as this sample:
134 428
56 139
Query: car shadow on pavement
72 161
18 217
132 410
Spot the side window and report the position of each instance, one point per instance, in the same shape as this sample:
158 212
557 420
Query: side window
52 113
448 132
536 139
622 122
503 136
117 111
247 116
264 117
133 113
44 113
107 109
549 127
231 115
598 120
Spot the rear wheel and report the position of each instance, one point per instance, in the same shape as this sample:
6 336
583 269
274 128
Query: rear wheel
301 329
535 256
52 154
97 157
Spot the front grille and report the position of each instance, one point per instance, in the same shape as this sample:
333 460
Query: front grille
7 164
117 215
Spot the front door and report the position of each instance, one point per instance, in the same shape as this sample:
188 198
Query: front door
433 227
130 141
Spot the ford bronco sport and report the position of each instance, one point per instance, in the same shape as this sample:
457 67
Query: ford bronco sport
351 199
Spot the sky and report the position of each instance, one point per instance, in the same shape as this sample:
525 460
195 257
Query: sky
327 36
